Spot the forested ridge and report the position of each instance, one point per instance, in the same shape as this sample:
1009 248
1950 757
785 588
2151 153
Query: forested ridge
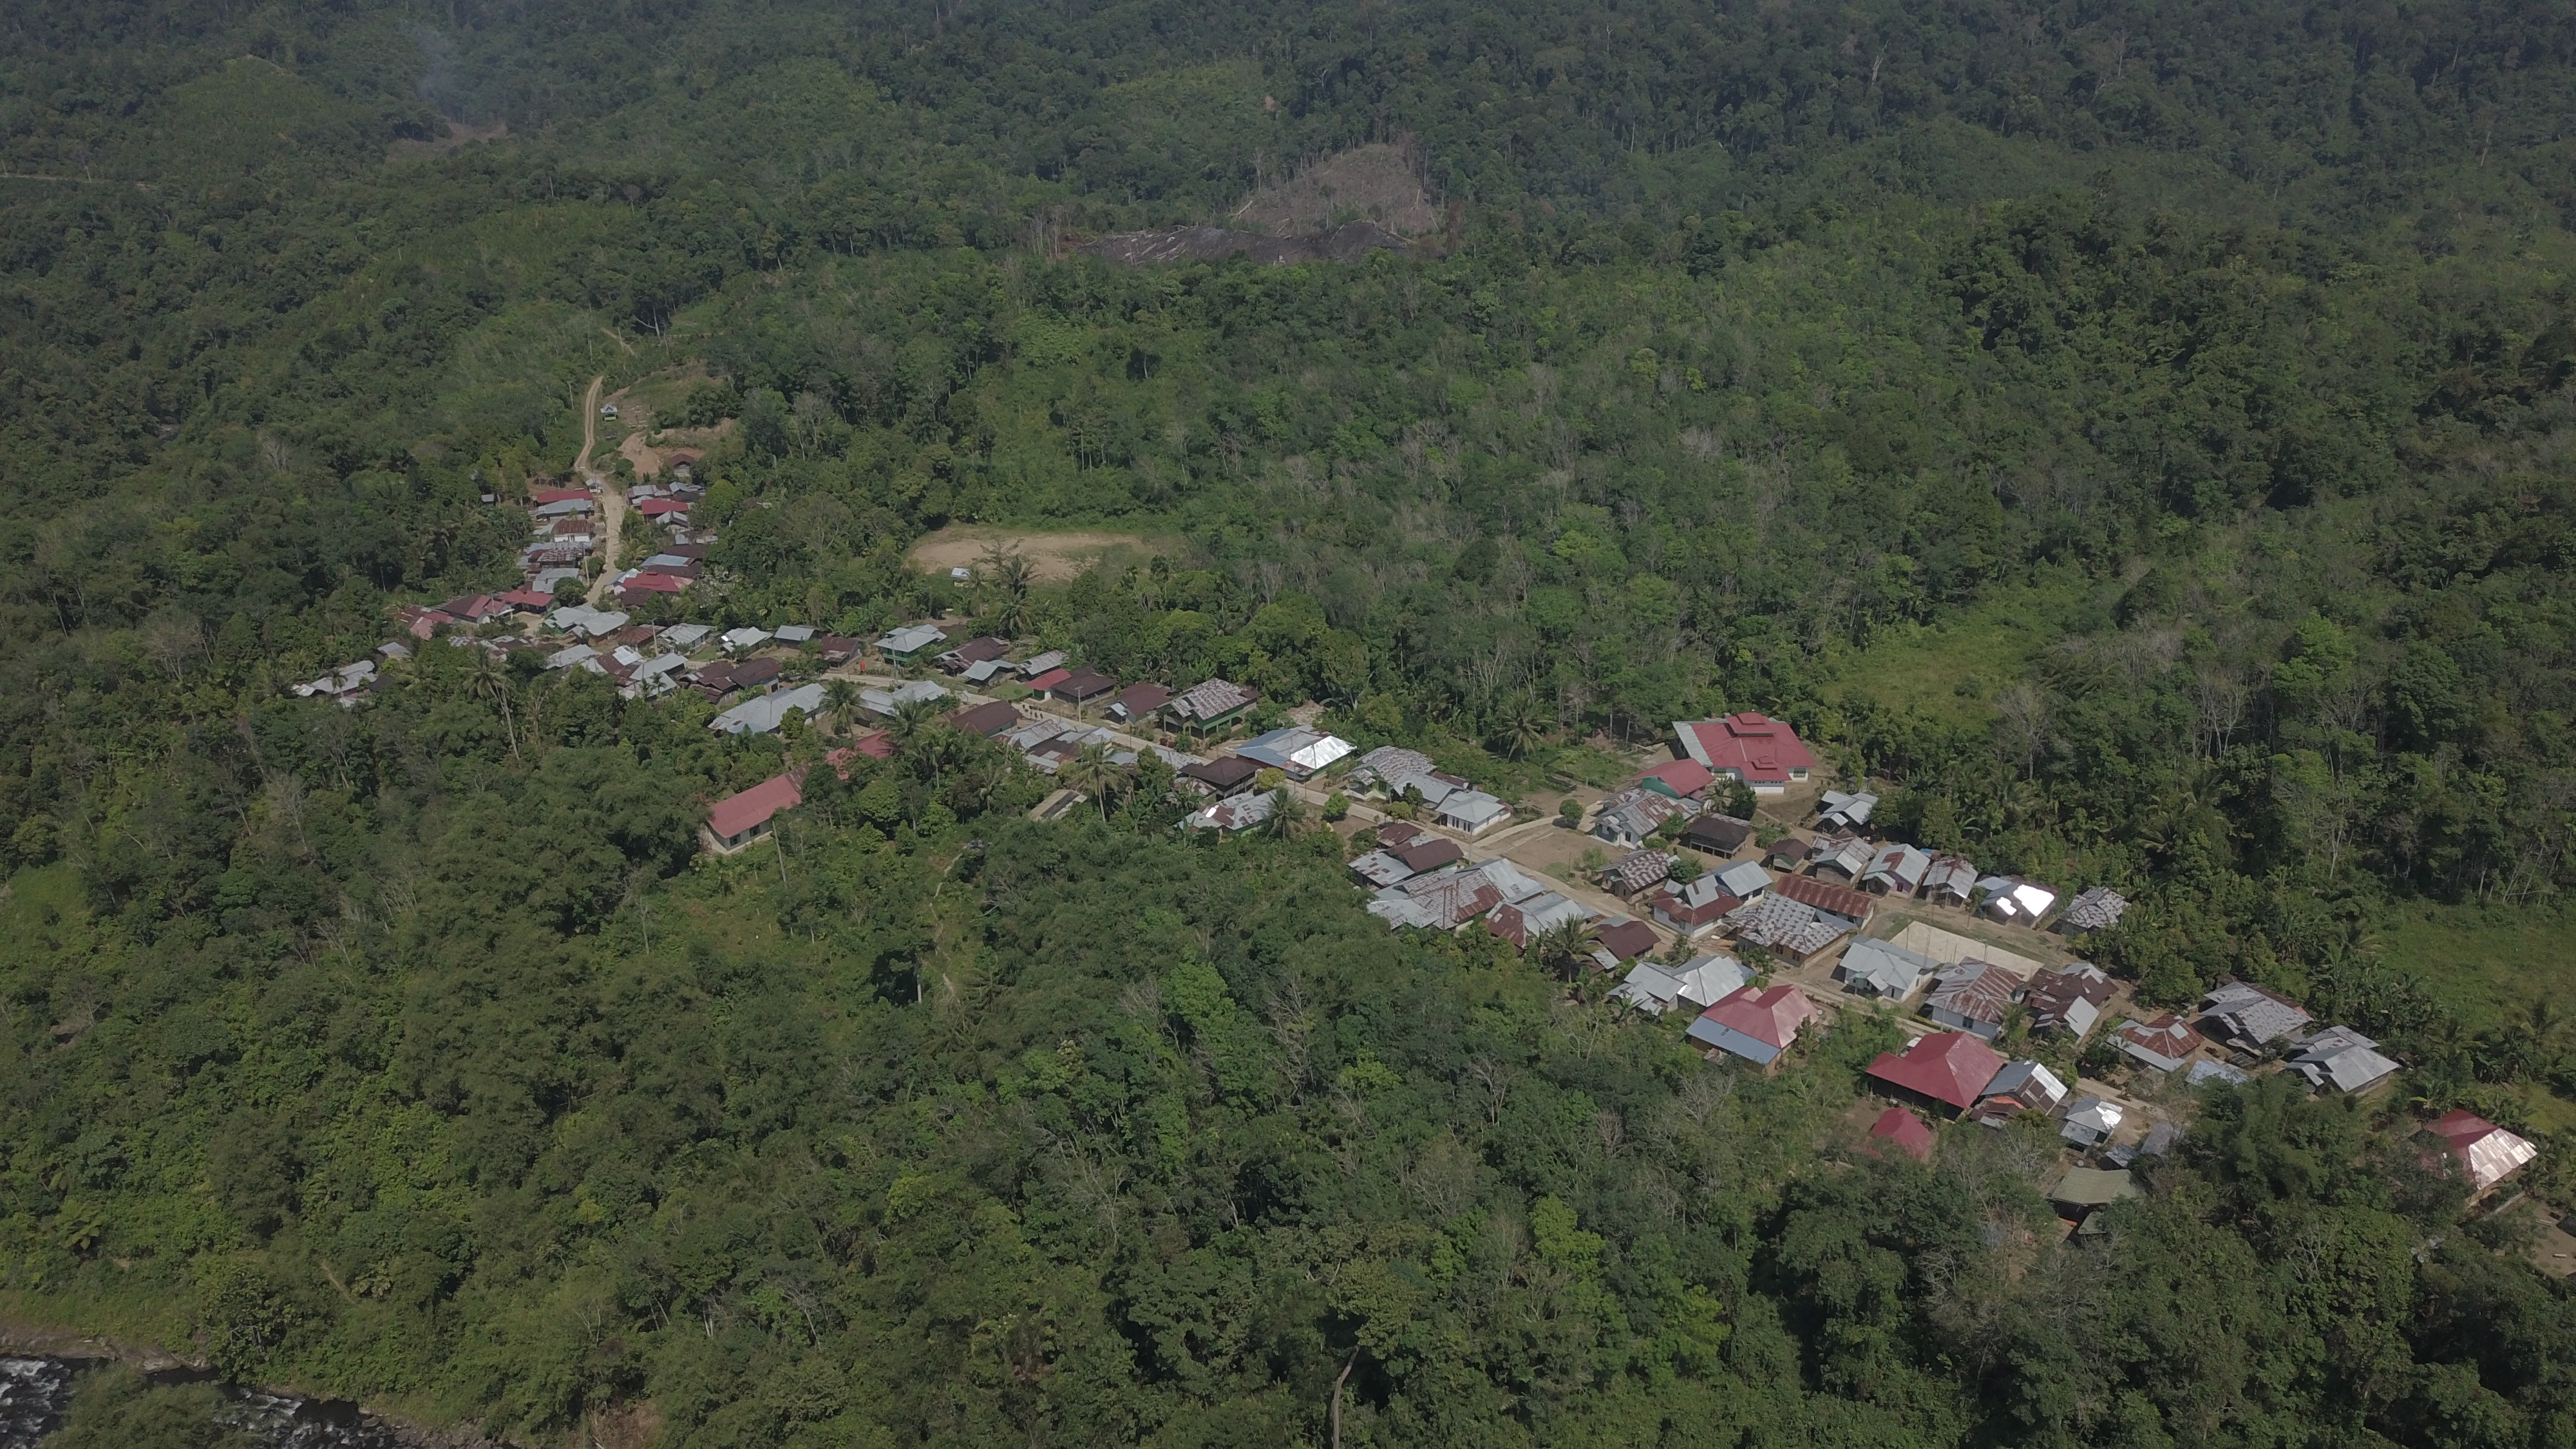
2136 435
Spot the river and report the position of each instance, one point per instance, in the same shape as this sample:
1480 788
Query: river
35 1391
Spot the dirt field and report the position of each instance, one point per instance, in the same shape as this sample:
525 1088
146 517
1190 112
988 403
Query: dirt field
1056 555
1376 182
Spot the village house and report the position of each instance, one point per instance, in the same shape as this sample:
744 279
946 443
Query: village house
1521 922
1083 688
1788 853
973 651
2090 1121
1235 813
1037 664
1681 779
1901 1131
1693 908
2165 1043
1952 881
1841 859
2022 1086
1850 905
1470 812
1649 988
1391 864
1719 835
1872 967
1297 751
739 819
1947 1069
1223 776
1630 818
1708 980
1785 927
1896 870
1753 749
1838 812
985 720
887 701
2016 901
2084 1191
2482 1152
1757 1025
1973 996
2250 1017
1210 706
2099 908
762 715
2341 1058
1622 940
908 644
1444 900
1139 703
2068 1000
1637 872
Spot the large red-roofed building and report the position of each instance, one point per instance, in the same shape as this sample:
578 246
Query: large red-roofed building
1760 751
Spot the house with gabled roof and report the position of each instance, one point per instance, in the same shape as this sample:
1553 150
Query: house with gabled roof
1973 996
1872 967
2252 1017
1695 907
1631 817
2098 908
1899 1130
1757 1025
1521 922
2341 1058
2068 1000
1895 870
1838 811
1841 858
1719 835
1637 872
1952 881
2484 1153
1784 927
1823 895
2165 1043
1947 1069
1681 779
1210 705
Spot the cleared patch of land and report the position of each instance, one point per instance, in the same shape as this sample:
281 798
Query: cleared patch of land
1377 182
2487 964
1952 671
1055 556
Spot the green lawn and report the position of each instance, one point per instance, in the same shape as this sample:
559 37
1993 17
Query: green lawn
2483 961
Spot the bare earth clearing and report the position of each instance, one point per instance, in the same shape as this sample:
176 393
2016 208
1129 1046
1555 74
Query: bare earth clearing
1056 555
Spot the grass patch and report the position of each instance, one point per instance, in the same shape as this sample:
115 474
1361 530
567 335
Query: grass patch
1952 669
2484 962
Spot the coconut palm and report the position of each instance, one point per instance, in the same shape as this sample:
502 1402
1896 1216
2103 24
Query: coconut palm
841 699
1519 726
1289 818
912 718
1565 949
489 680
1095 773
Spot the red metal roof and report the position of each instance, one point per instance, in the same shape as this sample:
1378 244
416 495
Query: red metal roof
661 507
651 582
1755 746
875 744
1050 680
1771 1017
1682 777
544 496
735 814
1947 1066
1901 1128
1824 895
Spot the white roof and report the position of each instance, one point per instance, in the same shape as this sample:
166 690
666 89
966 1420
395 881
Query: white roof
1471 807
567 658
910 639
1650 987
745 637
884 701
1707 980
581 619
2098 1113
685 636
794 633
760 716
2016 1075
1744 878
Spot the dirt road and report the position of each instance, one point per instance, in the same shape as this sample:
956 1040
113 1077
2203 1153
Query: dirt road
612 504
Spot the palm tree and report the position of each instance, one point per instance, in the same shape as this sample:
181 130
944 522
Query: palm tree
489 680
841 699
1565 948
912 718
1288 818
1518 726
1093 772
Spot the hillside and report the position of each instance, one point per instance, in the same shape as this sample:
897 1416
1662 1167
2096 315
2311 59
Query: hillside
2131 442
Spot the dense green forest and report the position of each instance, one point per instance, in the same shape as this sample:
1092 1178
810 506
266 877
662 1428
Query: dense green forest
2139 433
